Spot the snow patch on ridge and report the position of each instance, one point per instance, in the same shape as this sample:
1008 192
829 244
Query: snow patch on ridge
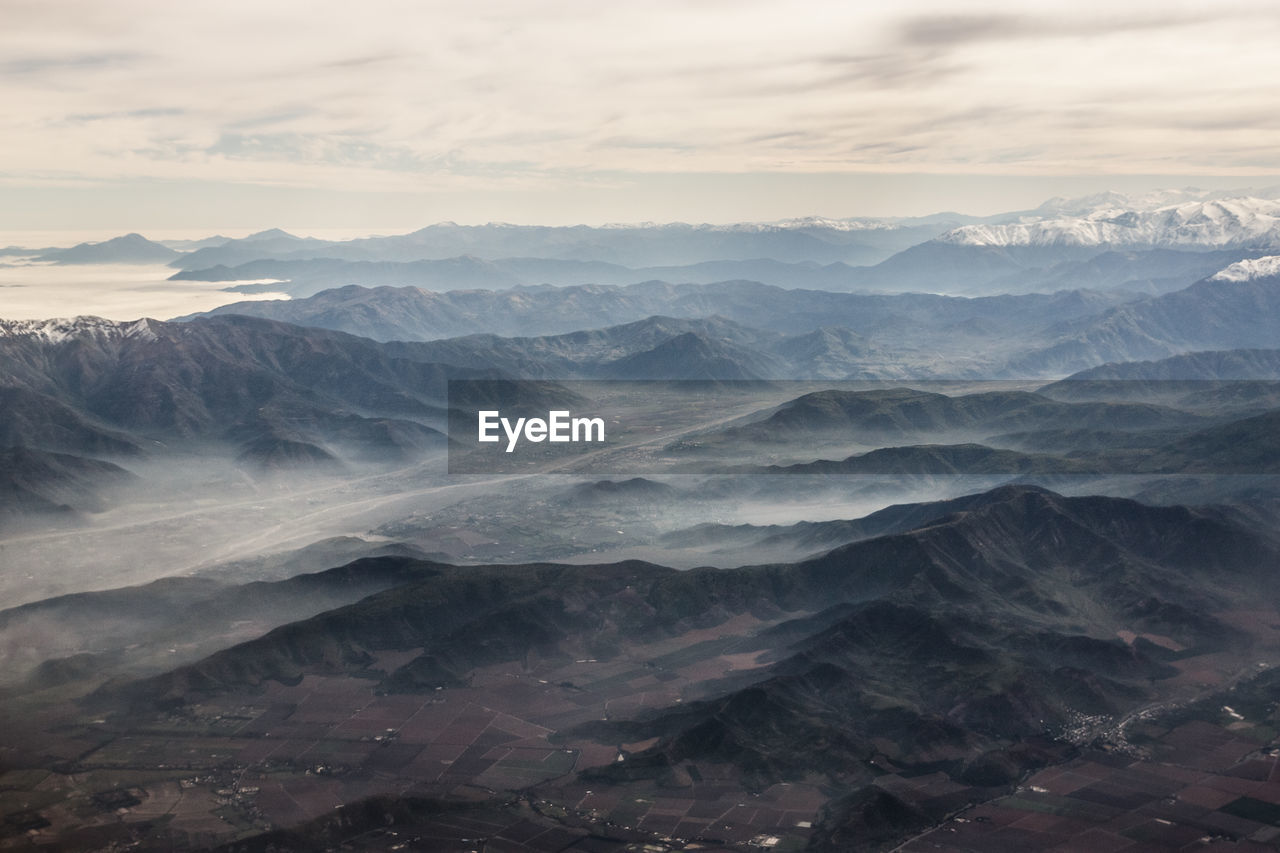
1058 207
60 329
1244 222
1247 270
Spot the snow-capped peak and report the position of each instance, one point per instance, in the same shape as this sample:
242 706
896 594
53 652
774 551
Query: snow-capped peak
1150 200
1249 269
1111 200
852 224
1217 223
60 329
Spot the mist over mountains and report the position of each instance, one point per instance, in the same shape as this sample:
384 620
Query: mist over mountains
832 335
979 634
1074 284
900 523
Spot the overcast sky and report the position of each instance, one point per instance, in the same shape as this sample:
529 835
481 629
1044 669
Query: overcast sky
140 114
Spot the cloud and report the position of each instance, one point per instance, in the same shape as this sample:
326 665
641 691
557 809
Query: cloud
147 112
963 29
421 95
47 65
950 30
362 61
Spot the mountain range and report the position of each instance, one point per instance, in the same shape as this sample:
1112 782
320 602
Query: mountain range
832 335
929 267
413 314
957 647
1209 315
1153 243
992 505
819 241
277 392
127 249
853 335
1244 222
307 277
903 413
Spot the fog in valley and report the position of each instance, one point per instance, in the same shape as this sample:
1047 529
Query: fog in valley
35 291
280 558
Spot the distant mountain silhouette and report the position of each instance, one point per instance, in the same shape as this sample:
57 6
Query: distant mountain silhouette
1208 315
129 249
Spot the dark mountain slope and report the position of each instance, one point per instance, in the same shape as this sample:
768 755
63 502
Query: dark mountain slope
632 491
417 615
944 460
190 376
831 353
1248 446
36 482
939 692
127 626
1233 364
1220 380
988 628
1018 556
692 356
237 378
815 535
898 412
962 647
601 352
31 419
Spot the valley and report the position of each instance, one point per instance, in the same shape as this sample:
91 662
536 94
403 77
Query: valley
950 533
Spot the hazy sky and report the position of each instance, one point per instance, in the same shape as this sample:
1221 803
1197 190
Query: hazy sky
385 114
